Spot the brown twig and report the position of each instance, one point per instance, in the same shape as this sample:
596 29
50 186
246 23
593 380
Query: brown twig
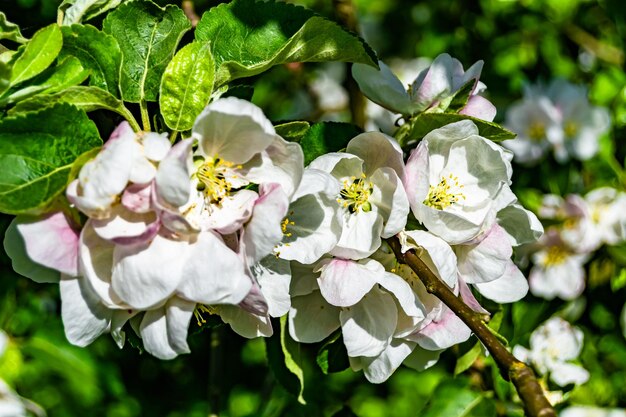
602 50
190 12
528 389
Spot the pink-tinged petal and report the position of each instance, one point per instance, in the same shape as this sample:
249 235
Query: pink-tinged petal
360 236
469 299
479 107
382 87
233 212
511 287
422 359
390 200
367 327
246 324
435 253
15 248
143 170
138 198
407 298
487 260
96 265
448 331
173 175
233 129
51 241
177 223
147 274
85 318
213 273
304 279
263 232
254 302
377 150
343 283
311 318
274 276
416 176
329 161
378 369
125 227
155 145
436 82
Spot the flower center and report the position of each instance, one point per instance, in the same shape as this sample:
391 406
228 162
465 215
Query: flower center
555 255
536 131
445 193
212 179
355 194
570 129
203 309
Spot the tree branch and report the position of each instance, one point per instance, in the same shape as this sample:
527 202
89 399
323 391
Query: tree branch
528 389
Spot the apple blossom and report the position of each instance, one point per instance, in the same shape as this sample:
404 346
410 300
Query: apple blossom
453 179
372 199
553 346
589 411
433 89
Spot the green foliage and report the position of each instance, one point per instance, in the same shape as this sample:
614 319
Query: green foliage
455 400
147 35
97 51
10 31
292 131
333 356
37 54
37 152
326 137
285 360
249 37
187 85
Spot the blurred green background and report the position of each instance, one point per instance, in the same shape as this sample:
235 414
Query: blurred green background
520 41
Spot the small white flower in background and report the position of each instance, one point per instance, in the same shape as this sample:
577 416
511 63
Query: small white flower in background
589 411
371 198
558 270
453 179
433 89
553 346
558 117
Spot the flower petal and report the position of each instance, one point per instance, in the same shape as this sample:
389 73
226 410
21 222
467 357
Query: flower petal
125 227
246 324
448 331
511 287
377 150
487 260
421 359
378 369
172 178
138 198
274 276
390 200
303 308
360 236
479 107
343 283
382 87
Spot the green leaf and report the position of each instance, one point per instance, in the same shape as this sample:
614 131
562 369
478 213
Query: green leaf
37 54
242 91
83 97
464 362
37 151
249 37
424 123
460 98
452 400
75 11
147 36
187 85
619 280
5 76
10 31
283 355
97 52
326 137
345 412
292 131
333 356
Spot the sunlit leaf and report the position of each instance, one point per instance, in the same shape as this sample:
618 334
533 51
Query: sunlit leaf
10 31
37 54
75 11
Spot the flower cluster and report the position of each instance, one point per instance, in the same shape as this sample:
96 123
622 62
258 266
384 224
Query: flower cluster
171 231
583 224
558 117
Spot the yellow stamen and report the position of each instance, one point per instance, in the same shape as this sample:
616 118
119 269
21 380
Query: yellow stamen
555 255
203 309
536 131
444 194
570 129
211 175
355 194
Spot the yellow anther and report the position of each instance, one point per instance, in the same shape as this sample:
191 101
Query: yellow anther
445 193
354 195
570 129
203 309
555 255
211 175
536 131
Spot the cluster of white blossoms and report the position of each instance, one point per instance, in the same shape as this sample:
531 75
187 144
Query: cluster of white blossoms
228 222
170 231
558 117
583 225
553 347
456 185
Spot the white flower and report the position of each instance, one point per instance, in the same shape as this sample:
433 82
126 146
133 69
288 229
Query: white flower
589 411
558 270
552 346
434 88
453 179
372 199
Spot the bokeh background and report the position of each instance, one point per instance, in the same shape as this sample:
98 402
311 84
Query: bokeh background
521 42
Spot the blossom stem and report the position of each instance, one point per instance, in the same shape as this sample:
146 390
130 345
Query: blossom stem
528 389
145 117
